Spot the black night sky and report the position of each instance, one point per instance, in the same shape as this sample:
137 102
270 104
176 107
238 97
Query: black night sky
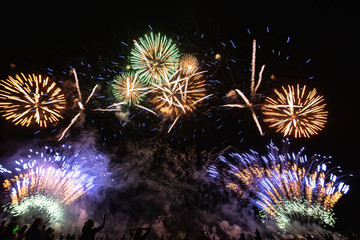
34 38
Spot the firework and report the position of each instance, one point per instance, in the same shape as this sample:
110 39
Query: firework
189 64
4 170
45 181
285 186
179 94
54 177
47 173
38 206
31 99
128 89
250 103
296 111
154 57
80 104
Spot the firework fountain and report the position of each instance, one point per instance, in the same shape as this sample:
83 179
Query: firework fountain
283 185
47 180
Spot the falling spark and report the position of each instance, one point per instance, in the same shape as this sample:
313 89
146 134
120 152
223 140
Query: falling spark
253 88
80 104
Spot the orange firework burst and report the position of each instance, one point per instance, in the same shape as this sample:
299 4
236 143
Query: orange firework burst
189 64
25 100
296 112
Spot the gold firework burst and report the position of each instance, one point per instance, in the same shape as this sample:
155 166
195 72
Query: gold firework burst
296 111
179 94
189 64
28 99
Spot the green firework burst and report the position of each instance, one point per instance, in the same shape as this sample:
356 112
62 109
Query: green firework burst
154 57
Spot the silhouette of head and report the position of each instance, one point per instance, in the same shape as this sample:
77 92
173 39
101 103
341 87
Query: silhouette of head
37 222
90 223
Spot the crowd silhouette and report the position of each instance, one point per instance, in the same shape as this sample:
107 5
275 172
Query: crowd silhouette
38 231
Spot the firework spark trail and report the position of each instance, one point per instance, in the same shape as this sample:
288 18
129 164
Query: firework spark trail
179 94
253 89
80 104
31 99
284 186
296 112
112 109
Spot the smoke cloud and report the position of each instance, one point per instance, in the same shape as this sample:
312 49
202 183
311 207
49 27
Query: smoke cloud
152 184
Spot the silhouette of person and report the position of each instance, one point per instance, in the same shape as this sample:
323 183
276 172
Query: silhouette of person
35 232
49 234
9 231
242 236
22 232
2 227
88 230
136 233
257 235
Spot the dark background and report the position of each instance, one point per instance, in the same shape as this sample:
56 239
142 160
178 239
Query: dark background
34 36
